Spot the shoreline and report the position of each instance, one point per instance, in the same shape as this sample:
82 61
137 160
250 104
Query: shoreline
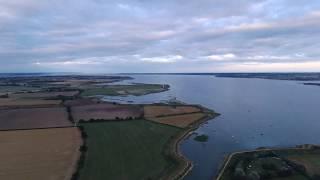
188 164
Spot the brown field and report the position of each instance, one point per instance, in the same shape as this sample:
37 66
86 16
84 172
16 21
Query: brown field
26 102
179 120
41 95
105 111
80 102
33 118
165 110
39 154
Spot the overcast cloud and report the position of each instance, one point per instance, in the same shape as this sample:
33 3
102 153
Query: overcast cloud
109 36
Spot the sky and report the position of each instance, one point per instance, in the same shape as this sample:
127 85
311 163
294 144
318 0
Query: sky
145 36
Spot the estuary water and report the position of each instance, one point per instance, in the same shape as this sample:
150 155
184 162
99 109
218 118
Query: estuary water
254 113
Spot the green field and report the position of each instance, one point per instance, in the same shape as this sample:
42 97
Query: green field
124 90
127 150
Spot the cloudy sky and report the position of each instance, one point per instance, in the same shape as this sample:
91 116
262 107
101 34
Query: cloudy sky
110 36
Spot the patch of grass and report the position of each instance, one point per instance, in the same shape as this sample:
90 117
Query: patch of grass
124 90
127 150
201 138
99 91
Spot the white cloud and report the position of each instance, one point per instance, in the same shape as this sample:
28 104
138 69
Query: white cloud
163 59
84 61
124 6
161 33
268 57
222 57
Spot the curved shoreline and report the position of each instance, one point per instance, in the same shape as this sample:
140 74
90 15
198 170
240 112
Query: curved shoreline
188 164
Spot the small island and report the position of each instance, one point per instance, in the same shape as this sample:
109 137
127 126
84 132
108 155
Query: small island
201 138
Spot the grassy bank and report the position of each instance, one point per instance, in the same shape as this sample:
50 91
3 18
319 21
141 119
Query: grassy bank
127 150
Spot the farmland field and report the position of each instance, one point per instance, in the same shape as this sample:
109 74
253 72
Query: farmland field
164 110
105 111
44 95
7 102
35 98
33 118
124 90
127 150
80 102
39 154
182 121
11 89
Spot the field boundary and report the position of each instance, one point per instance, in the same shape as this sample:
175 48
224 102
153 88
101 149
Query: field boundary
8 107
25 129
82 154
178 114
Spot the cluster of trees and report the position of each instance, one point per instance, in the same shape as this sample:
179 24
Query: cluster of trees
70 117
61 97
101 120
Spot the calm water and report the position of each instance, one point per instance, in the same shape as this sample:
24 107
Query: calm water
254 113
